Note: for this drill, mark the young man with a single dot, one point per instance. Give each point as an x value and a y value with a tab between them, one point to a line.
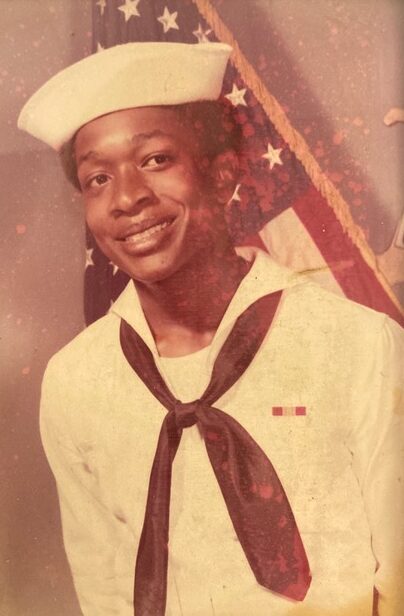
229	426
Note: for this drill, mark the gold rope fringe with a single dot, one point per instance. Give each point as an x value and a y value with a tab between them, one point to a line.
296	143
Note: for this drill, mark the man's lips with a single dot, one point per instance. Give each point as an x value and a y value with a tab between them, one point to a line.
140	232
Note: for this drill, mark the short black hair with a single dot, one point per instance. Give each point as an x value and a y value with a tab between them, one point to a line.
214	124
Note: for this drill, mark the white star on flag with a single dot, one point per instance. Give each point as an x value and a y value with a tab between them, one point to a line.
168	20
100	47
89	257
273	156
236	196
130	9
201	34
236	96
102	4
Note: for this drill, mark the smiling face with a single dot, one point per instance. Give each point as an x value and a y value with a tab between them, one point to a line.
149	197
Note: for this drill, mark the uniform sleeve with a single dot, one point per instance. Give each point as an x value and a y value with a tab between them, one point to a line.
93	537
377	447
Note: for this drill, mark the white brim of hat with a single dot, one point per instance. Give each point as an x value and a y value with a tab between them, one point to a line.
123	77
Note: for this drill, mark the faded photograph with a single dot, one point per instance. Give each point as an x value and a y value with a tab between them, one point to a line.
203	301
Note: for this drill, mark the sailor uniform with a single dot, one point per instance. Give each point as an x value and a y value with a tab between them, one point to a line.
340	461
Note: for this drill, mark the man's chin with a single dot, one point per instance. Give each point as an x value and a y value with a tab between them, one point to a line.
153	274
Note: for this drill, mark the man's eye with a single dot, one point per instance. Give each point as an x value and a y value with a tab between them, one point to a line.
157	160
98	180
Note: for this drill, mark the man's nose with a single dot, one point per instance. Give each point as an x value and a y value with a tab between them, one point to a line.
132	192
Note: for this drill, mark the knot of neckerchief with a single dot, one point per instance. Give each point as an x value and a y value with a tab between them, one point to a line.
186	413
254	496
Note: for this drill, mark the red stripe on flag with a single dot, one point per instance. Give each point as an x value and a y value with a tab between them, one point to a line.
253	240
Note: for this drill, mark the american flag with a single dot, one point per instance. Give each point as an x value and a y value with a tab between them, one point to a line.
284	202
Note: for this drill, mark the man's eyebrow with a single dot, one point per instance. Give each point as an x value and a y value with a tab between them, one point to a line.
140	137
137	139
87	156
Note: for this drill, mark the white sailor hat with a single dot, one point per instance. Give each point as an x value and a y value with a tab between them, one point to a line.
123	77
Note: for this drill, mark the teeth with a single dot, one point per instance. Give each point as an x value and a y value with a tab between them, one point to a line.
144	235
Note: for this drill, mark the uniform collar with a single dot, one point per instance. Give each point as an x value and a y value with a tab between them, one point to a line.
264	277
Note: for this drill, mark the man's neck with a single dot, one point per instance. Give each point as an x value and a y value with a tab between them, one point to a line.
185	310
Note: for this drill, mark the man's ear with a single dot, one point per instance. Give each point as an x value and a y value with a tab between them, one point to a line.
224	173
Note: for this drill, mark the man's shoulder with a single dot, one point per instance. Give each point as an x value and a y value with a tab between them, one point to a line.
322	307
87	350
308	300
338	330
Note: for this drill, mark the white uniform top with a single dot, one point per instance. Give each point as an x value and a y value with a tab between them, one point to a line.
341	463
